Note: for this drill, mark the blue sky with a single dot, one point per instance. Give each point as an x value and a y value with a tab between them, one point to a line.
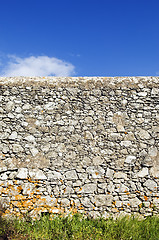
79	37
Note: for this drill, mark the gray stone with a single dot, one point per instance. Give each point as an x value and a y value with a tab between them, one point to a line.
34	151
86	202
22	173
71	175
109	173
120	175
37	174
13	136
123	188
135	202
143	134
103	200
130	159
143	172
26	106
9	106
151	185
89	188
30	138
95	172
17	148
126	143
65	202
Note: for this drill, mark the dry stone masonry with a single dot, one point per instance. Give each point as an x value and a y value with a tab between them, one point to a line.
79	145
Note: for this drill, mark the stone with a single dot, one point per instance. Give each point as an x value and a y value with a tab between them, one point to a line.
95	172
13	136
120	128
109	173
130	159
30	138
88	135
46	147
143	134
103	200
55	175
143	172
97	160
155	91
37	174
111	187
152	152
22	173
26	106
142	94
17	148
151	185
71	175
86	202
89	188
9	106
126	143
4	176
89	120
65	202
34	151
123	188
135	202
120	175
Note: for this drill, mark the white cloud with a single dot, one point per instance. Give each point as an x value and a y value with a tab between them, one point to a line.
37	66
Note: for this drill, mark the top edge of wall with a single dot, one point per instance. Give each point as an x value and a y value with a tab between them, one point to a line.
83	82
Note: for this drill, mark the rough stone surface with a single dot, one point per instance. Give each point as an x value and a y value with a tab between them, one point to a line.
79	144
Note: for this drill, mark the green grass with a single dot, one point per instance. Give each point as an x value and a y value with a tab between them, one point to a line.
78	227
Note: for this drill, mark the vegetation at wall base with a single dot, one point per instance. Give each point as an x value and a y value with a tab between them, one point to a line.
80	228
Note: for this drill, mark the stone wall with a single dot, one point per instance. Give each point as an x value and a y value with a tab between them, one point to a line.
79	145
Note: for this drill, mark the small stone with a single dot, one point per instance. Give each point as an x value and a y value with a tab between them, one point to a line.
37	174
22	173
120	175
142	94
151	185
135	202
4	176
65	202
27	106
13	136
89	188
123	188
17	148
130	159
155	91
143	172
88	135
103	200
55	175
69	175
109	173
120	128
97	160
46	147
153	152
124	102
30	138
143	134
89	120
86	202
34	151
9	106
126	143
95	172
18	110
